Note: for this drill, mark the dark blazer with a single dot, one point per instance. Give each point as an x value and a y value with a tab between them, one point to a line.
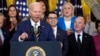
62	37
4	48
87	46
25	26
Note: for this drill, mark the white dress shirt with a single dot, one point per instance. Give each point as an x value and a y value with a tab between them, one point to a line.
33	23
55	31
67	24
76	36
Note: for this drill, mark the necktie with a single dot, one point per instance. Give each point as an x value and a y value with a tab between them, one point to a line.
35	28
0	42
78	41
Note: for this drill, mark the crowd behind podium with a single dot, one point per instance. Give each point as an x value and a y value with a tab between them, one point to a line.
77	36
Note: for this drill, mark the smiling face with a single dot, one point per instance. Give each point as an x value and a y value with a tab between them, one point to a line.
35	11
79	24
52	19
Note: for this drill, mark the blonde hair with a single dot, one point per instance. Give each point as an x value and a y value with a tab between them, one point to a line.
70	4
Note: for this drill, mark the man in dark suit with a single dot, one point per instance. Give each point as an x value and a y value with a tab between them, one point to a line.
80	43
3	34
59	34
34	29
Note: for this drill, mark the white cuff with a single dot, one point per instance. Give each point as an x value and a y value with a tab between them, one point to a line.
19	39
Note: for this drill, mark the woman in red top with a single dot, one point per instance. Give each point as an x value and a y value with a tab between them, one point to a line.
97	38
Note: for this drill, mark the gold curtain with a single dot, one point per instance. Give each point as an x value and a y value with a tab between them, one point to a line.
30	1
52	5
86	9
9	2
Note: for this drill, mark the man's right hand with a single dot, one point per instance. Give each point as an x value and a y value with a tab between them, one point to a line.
23	36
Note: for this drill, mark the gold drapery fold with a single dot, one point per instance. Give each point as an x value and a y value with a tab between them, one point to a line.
30	1
85	8
9	2
52	5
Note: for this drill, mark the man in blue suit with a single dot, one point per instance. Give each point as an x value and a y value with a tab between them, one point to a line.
34	29
60	35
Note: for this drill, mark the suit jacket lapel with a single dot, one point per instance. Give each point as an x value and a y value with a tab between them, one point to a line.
28	26
42	25
84	39
74	39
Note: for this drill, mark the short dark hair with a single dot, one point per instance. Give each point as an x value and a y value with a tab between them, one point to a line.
96	24
51	13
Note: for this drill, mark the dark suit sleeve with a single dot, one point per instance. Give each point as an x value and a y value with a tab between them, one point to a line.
51	35
17	33
65	44
92	47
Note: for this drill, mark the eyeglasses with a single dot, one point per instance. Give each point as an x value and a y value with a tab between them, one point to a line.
52	17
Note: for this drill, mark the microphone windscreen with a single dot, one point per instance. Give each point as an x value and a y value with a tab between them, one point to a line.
32	30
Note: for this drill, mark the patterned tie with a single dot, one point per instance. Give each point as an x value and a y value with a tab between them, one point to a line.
78	41
35	28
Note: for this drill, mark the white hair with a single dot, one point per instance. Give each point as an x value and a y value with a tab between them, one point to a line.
81	17
34	4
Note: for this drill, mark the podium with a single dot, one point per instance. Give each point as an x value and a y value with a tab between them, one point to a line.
41	48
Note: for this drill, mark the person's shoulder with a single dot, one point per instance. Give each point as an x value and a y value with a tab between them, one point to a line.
24	22
71	35
60	18
5	31
44	23
73	18
87	35
61	30
97	35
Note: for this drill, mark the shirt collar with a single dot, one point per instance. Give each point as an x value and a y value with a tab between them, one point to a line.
78	33
54	28
33	23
